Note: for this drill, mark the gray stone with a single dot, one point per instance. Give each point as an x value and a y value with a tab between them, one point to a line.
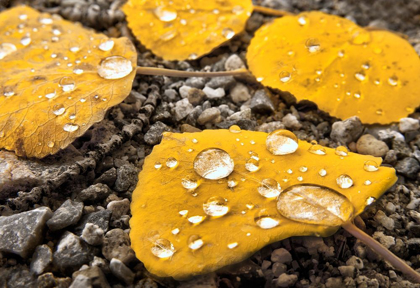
234	62
281	255
244	114
108	177
291	122
385	221
71	253
209	116
81	281
408	124
117	245
286	280
41	258
385	240
100	219
127	176
239	93
154	134
121	271
369	145
271	126
118	208
184	90
196	96
261	103
92	234
278	269
214	93
356	262
182	109
408	167
221	82
388	135
225	110
196	82
265	264
149	283
347	271
21	233
170	94
92	275
347	131
95	192
17	276
67	214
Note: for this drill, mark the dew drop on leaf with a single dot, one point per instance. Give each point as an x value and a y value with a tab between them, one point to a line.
25	40
322	172
360	76
196	219
370	166
58	109
281	142
344	181
266	219
106	45
189	183
6	49
171	162
67	84
317	149
367	182
69	127
269	188
175	231
163	248
213	164
158	165
341	151
232	245
235	129
393	81
252	165
165	14
370	200
232	182
313	45
114	67
228	33
215	206
195	242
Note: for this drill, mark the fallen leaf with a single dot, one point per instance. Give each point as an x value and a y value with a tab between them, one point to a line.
217	196
345	69
178	30
58	79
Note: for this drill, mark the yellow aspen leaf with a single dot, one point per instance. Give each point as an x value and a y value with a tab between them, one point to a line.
57	79
210	199
178	30
345	69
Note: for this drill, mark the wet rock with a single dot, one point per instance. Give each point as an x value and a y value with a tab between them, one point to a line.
41	259
214	93
234	62
281	255
118	208
93	276
121	271
286	280
107	178
100	219
355	262
95	193
154	134
385	240
408	167
209	116
270	127
240	93
385	221
196	96
261	103
408	124
126	178
92	234
71	253
117	245
67	214
291	122
182	109
347	131
21	233
369	145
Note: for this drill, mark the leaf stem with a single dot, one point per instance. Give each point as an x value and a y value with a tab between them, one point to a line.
381	250
177	73
271	12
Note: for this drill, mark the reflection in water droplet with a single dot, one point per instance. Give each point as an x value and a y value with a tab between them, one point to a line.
237	10
317	149
215	206
189	183
341	151
281	142
165	14
379	112
367	182
45	20
106	45
322	172
168	35
253	155
361	37
285	76
195	242
228	33
289	171
232	245
78	71
192	56
344	181
366	65
269	188
213	164
26	40
6	49
171	162
183	212
175	231
252	165
341	53
195	141
74	49
196	219
370	200
69	127
232	182
371	166
163	248
313	45
266	219
50	144
8	91
67	84
302	20
23	17
393	81
303	169
360	76
114	67
235	129
158	165
58	109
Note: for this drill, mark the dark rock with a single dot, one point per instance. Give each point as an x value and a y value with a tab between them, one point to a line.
67	214
94	193
121	271
221	82
210	115
154	134
261	103
408	167
413	246
100	219
21	233
48	280
117	245
41	258
108	177
281	255
92	275
126	178
347	131
16	277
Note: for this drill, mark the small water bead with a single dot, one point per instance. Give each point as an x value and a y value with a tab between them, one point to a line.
158	165
366	65
235	129
45	20
213	164
322	172
58	109
2	134
341	53
260	79
195	141
379	112
266	219
114	67
23	17
8	91
289	171
175	231
6	49
253	155
367	182
165	14
70	127
360	76
215	206
216	11
341	151
232	182
183	212
252	165
82	100
317	149
357	95
285	76
196	219
370	200
377	82
228	33
195	242
393	81
74	49
237	10
168	35
78	71
171	162
281	142
344	181
25	40
269	188
300	178
189	183
303	169
163	248
106	45
313	45
232	245
67	84
371	166
192	56
183	22
302	20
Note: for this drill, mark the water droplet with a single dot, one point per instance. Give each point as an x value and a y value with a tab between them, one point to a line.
322	172
303	169
313	45
196	219
58	109
235	129
228	33
260	79
317	149
192	56
393	81
114	67
183	212
168	35
377	82
158	165
253	155
26	40
361	37
106	45
195	242
78	71
232	182
237	10
50	144
215	206
171	162
232	245
370	200
69	127
302	20
300	178
8	91
285	76
341	53
252	165
189	183
370	166
163	248
45	20
165	14
341	151
6	49
195	141
289	171
366	65
74	49
175	231
82	100
344	181
23	17
281	142
357	95
67	84
379	112
216	11
269	188
213	164
265	219
183	22
360	76
1	134
367	182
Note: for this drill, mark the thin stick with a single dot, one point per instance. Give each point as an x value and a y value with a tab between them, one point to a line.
381	250
177	73
271	12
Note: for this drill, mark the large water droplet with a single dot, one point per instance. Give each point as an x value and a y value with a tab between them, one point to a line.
252	165
158	165
171	162
361	37
165	14
344	181
228	33
106	45
281	142
215	206
6	49
313	45
114	67
25	40
195	242
163	248
213	164
235	129
67	84
266	219
317	149
269	188
70	127
189	183
341	151
58	109
371	166
285	76
303	169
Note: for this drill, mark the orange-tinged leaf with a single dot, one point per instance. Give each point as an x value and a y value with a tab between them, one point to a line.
345	69
57	79
178	30
193	212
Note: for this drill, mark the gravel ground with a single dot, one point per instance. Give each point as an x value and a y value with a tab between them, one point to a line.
71	210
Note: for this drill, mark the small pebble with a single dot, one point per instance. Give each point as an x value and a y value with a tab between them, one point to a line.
387	222
234	62
182	109
347	131
408	124
214	93
408	167
184	90
347	271
385	240
281	255
121	271
369	145
209	116
261	103
290	121
355	262
286	280
239	93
